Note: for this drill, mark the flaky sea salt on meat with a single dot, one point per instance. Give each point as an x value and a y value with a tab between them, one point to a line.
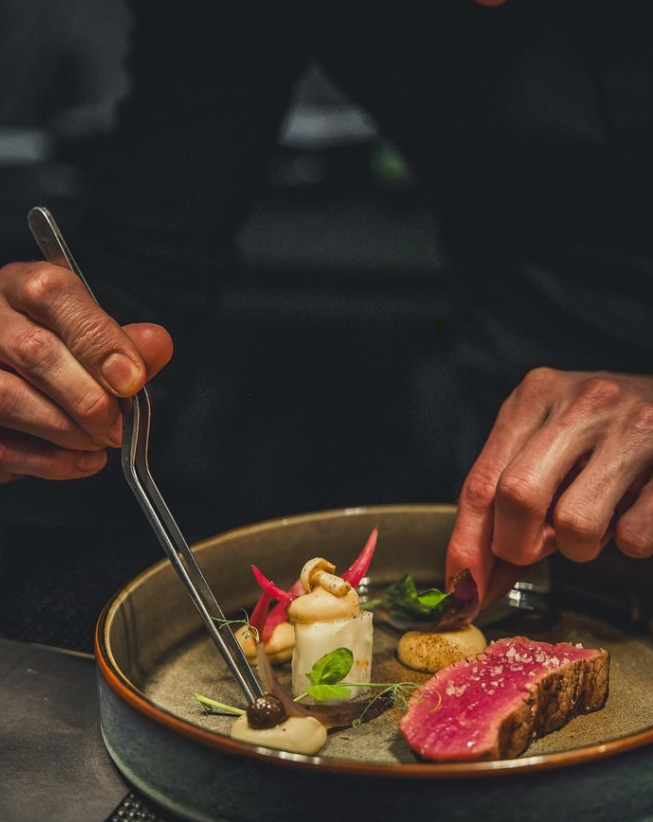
516	690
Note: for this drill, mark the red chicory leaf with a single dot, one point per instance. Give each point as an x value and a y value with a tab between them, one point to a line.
359	567
268	585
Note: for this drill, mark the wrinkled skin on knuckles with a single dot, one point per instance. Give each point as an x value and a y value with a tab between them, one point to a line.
63	363
567	466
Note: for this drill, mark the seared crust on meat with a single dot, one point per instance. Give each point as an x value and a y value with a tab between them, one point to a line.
494	704
579	688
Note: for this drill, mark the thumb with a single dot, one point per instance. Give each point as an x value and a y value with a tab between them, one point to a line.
154	344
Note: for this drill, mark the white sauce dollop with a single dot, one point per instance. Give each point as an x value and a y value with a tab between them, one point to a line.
297	734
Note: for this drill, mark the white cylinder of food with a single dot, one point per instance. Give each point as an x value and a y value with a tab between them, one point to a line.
315	639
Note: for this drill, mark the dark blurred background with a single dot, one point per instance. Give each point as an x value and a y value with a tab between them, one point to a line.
327	382
333	363
335	310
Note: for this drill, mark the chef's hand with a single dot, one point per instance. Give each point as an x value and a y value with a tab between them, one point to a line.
567	465
63	362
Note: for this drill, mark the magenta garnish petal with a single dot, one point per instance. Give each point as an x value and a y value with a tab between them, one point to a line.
296	589
268	585
260	613
276	616
464	605
357	570
279	613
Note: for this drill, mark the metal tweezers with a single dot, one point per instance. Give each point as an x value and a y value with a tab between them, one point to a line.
136	432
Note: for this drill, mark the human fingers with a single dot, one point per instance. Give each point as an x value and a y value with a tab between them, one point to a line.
153	343
579	466
528	486
547	473
583	515
7	477
521	415
25	409
55	336
21	454
634	529
56	299
40	357
506	574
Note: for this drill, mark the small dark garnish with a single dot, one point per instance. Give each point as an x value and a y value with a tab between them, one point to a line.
404	607
265	712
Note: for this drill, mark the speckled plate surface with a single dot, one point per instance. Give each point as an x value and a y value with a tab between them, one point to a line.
152	656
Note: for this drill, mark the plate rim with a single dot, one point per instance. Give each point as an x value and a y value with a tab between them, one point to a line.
129	693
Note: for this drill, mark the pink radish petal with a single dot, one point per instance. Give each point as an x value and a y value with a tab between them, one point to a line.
260	613
268	585
279	613
355	573
276	616
296	590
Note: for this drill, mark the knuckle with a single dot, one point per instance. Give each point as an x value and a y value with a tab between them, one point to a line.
94	333
518	492
507	409
33	348
10	271
577	524
531	391
633	542
480	489
536	378
640	418
599	392
43	285
92	405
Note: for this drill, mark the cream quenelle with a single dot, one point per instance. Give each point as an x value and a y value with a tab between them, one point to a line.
297	734
326	617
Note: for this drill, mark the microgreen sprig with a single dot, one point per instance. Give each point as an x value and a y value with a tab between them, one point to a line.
212	707
399	692
327	678
244	621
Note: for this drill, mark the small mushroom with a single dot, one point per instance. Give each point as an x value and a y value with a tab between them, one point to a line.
319	571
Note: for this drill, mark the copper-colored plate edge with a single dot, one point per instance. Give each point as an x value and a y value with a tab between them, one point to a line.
426	770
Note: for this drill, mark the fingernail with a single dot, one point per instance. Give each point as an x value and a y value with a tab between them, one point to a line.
121	373
90	460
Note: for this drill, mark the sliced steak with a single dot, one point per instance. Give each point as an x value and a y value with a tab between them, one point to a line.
491	706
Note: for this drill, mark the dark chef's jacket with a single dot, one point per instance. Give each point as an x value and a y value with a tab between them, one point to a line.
531	128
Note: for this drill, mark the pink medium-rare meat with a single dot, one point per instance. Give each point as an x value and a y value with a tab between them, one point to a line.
491	706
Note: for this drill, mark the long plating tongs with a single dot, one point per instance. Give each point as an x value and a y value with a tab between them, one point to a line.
136	431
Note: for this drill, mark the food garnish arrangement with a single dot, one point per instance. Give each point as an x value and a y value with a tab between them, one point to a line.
482	702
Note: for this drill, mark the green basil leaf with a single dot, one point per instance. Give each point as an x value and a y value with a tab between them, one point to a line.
405	601
327	691
331	667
